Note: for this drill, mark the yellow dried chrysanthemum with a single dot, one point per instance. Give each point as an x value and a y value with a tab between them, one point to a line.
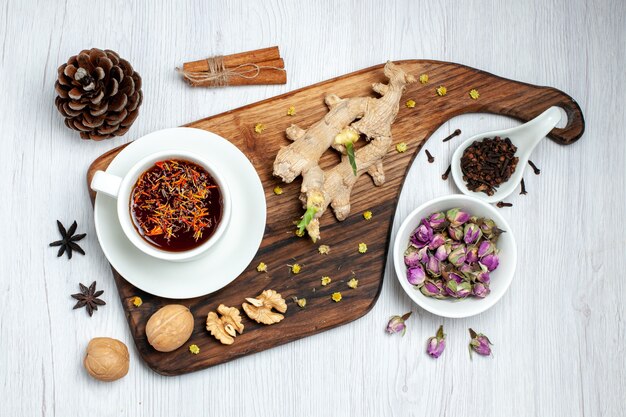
259	128
194	349
295	268
326	281
291	111
261	267
299	233
353	283
401	147
424	78
367	215
362	247
474	94
301	302
278	190
410	103
441	91
324	249
336	297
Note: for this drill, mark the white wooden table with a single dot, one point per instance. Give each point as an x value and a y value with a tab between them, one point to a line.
559	332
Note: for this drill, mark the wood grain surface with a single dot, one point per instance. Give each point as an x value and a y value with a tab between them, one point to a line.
280	247
559	331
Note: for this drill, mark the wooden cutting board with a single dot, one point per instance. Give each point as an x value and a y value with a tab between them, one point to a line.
280	247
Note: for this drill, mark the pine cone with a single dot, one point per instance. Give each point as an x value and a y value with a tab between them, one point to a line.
99	94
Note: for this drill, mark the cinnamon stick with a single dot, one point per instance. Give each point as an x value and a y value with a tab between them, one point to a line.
257	56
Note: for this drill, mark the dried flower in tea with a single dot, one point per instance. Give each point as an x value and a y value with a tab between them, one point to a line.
176	205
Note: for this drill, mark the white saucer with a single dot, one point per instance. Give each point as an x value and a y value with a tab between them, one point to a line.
227	259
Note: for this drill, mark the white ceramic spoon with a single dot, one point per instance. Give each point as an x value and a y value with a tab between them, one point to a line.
525	137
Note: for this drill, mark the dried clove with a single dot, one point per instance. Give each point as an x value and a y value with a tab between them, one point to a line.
488	163
431	158
447	173
536	170
503	204
523	185
452	135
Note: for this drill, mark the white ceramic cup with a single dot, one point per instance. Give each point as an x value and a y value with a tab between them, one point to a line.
121	188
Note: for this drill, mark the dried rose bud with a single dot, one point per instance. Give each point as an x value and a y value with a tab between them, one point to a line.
457	256
457	290
490	261
479	344
416	275
456	217
485	248
433	267
422	235
490	229
436	241
397	324
480	290
471	233
431	289
435	345
411	258
437	220
471	254
423	255
456	233
455	277
483	277
442	252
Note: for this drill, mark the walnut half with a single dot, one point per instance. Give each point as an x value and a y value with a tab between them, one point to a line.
259	309
224	328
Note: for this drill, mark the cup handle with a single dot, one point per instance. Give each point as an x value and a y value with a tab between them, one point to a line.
106	183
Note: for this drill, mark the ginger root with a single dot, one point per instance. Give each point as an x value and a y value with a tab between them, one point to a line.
346	120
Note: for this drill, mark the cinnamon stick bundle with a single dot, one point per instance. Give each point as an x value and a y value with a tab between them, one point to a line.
261	66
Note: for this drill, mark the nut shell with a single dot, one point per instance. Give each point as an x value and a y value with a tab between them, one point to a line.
106	359
169	328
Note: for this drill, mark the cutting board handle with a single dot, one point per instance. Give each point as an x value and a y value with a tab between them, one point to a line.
532	102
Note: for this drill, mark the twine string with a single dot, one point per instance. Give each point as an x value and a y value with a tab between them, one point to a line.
218	75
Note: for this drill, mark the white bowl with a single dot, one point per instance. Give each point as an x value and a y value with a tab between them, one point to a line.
501	277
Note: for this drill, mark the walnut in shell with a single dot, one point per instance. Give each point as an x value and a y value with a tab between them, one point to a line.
170	327
224	328
260	308
106	359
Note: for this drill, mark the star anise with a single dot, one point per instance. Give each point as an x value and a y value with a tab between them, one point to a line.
68	241
88	297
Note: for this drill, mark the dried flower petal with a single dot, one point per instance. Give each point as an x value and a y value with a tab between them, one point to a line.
137	301
367	215
401	147
291	111
474	94
410	103
423	78
325	280
259	128
301	302
353	283
441	91
362	247
278	190
261	267
324	249
336	297
194	349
